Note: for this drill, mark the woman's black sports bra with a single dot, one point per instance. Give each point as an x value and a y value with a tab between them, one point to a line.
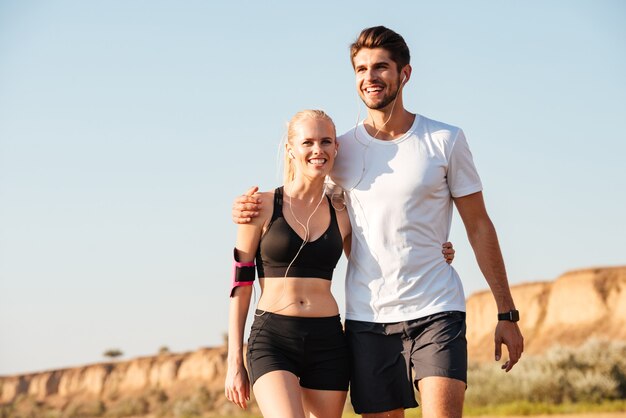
280	244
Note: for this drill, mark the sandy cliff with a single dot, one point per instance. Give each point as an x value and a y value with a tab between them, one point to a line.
575	307
578	305
163	376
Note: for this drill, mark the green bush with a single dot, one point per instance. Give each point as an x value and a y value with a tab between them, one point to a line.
592	373
201	402
129	407
91	409
6	411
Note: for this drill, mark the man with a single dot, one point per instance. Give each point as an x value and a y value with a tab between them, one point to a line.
405	307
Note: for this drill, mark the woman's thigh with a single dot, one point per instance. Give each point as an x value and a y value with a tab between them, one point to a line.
323	403
278	394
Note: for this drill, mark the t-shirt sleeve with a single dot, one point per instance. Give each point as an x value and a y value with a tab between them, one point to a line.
462	176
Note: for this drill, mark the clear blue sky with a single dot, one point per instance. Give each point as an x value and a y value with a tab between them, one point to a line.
127	128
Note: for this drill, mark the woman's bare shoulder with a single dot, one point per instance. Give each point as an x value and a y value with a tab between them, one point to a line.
266	207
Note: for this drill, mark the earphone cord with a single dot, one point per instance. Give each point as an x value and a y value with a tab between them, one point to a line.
304	241
354	198
393	105
367	144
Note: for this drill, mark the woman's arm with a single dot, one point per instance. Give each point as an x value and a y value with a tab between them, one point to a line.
237	385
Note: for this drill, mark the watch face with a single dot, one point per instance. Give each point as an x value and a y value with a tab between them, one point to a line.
514	316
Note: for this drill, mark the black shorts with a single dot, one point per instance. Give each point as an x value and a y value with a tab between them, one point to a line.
314	349
384	357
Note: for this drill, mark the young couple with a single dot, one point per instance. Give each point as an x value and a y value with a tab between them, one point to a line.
405	308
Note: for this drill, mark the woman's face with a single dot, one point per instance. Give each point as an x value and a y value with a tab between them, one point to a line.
313	148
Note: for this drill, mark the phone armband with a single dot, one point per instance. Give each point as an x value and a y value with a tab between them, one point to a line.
243	273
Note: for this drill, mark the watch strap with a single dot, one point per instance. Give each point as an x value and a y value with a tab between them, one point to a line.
512	315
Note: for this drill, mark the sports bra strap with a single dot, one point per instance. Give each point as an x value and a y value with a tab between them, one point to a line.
278	203
333	215
278	206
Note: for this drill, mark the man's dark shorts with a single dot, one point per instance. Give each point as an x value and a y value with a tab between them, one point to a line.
384	357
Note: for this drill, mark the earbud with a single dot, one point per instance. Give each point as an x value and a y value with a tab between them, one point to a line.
335	153
293	157
403	79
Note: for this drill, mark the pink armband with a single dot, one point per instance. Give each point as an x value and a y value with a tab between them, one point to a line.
243	274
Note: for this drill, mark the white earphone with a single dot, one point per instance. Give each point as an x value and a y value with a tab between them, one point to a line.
335	153
403	79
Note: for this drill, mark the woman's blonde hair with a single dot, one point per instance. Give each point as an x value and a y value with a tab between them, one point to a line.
290	172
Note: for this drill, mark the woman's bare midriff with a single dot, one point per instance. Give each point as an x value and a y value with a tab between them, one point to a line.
297	296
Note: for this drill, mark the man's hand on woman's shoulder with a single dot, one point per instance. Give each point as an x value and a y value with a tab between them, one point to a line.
246	206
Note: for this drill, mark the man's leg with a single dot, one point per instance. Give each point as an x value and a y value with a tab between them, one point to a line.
439	359
381	373
441	397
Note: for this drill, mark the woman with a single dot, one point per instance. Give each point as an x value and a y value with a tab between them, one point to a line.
297	353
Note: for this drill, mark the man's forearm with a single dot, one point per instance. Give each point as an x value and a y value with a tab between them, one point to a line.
484	241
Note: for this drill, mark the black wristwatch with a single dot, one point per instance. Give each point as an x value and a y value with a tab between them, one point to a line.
512	315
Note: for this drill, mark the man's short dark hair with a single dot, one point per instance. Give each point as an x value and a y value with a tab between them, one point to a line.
385	38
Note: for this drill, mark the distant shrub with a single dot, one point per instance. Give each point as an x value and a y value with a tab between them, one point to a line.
592	373
129	407
202	401
158	396
7	411
186	408
80	410
113	353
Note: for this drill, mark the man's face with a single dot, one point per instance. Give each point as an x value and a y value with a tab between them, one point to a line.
377	77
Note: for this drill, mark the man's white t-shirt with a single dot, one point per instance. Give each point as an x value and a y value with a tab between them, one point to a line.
399	198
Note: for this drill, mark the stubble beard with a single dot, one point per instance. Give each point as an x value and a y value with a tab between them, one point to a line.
386	101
